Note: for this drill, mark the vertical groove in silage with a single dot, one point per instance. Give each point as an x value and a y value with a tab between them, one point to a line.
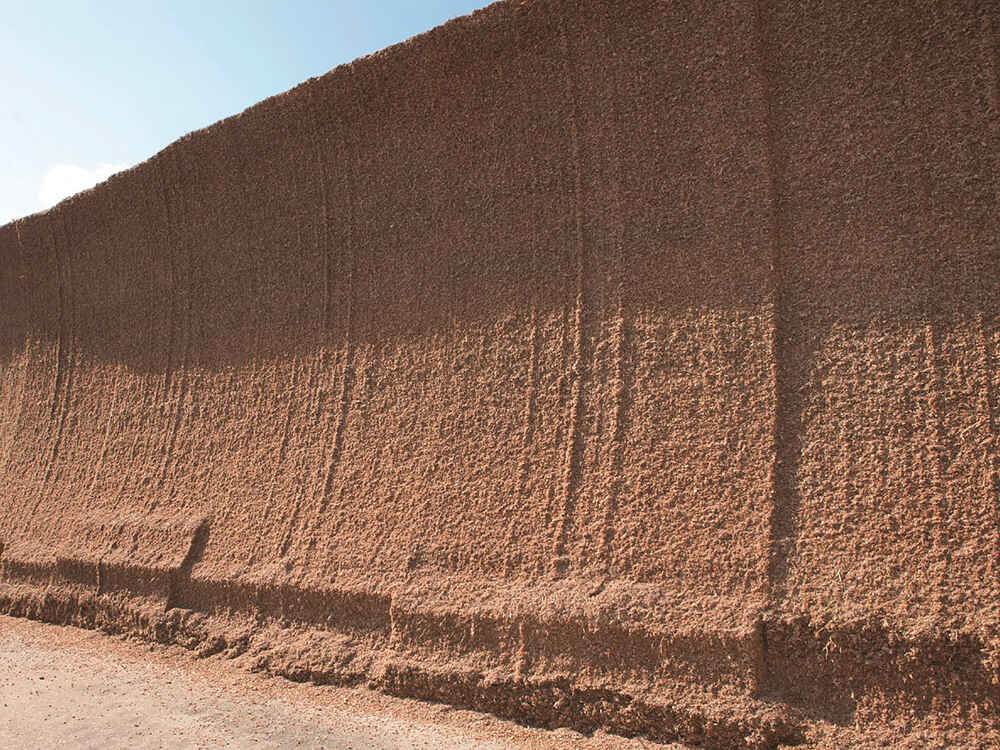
574	417
348	151
62	461
19	350
294	366
300	360
317	160
266	195
62	340
85	421
140	267
622	385
170	250
152	417
622	379
183	283
64	365
312	468
530	399
164	402
241	268
319	164
108	197
530	466
787	413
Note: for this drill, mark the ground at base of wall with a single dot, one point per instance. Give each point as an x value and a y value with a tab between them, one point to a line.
63	684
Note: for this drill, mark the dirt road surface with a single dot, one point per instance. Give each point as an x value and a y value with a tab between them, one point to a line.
65	687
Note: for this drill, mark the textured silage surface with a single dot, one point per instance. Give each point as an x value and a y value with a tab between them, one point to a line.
611	365
884	124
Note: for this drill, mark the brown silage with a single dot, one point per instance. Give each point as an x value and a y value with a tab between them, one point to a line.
597	364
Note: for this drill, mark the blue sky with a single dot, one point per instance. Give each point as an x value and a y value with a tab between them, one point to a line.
93	86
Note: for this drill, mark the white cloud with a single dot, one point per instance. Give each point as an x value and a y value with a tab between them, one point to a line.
64	180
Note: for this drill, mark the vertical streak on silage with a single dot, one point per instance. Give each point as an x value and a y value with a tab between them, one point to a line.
531	394
64	361
349	151
180	286
255	276
622	389
188	328
620	335
140	426
250	379
787	425
168	224
12	435
572	457
530	400
157	427
286	429
318	367
322	366
319	160
327	324
292	383
299	360
61	343
531	391
110	410
171	241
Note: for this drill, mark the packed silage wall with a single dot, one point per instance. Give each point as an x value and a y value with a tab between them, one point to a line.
622	365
